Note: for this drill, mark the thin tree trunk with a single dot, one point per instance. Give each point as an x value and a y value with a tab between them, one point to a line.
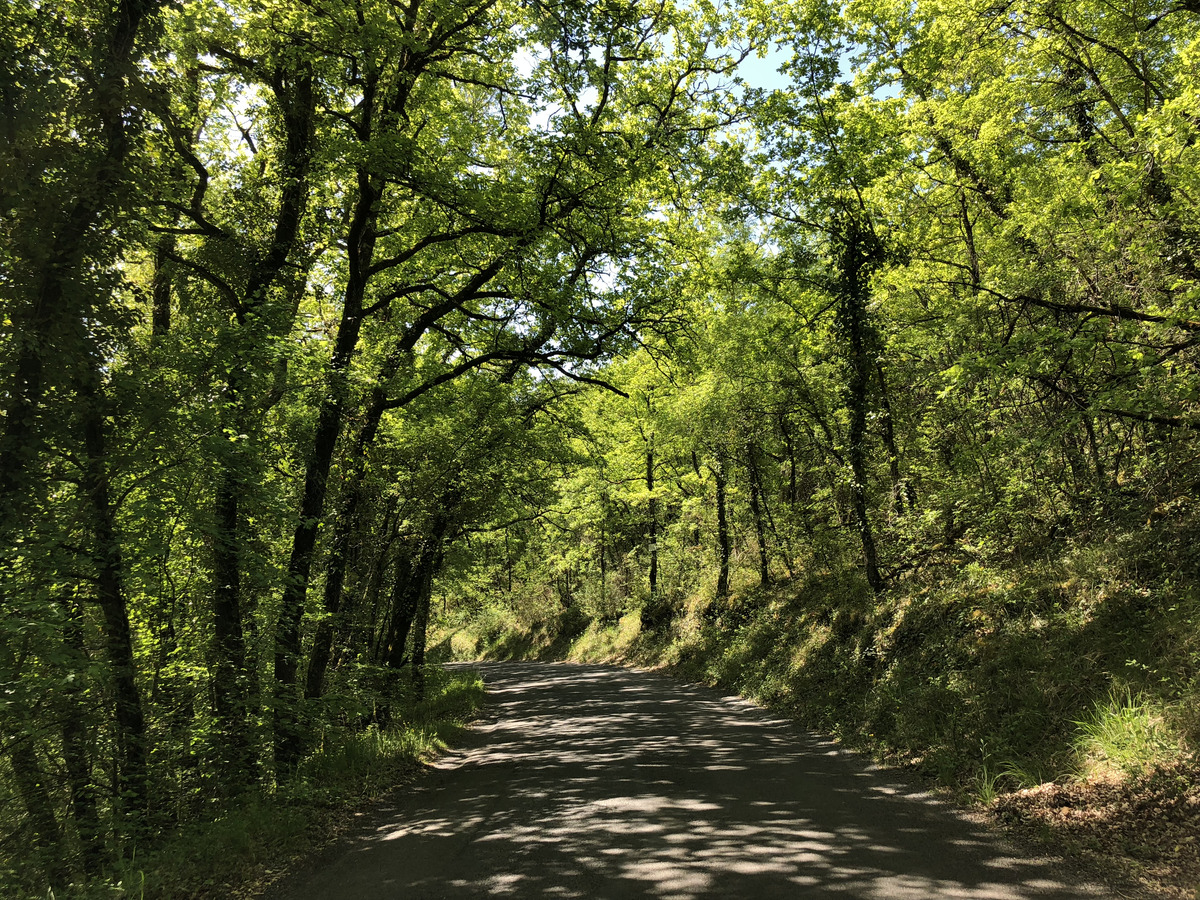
780	540
131	791
756	509
76	758
375	581
901	489
723	547
858	495
421	627
160	287
335	576
653	518
230	677
404	607
790	447
419	595
421	623
162	282
603	565
1094	450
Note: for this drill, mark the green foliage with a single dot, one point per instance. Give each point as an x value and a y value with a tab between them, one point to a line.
248	842
289	304
1125	733
529	325
1007	678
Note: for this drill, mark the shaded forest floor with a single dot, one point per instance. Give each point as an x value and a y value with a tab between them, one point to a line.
1058	694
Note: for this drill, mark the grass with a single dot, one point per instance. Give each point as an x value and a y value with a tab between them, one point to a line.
612	643
1057	688
988	785
256	839
1064	669
1125	735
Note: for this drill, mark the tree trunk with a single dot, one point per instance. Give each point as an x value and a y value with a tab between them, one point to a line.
131	725
76	758
603	566
790	447
51	255
424	600
420	631
411	593
30	782
160	287
379	567
47	835
405	596
162	282
653	518
288	740
230	677
859	253
508	561
339	549
901	490
723	547
1094	451
756	508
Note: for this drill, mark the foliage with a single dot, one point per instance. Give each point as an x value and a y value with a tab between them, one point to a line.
1125	733
249	842
325	327
1053	691
287	291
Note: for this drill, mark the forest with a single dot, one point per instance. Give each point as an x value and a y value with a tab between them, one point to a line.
343	336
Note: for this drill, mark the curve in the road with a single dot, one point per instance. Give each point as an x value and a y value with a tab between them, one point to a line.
593	781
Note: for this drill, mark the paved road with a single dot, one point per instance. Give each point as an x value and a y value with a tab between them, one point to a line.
597	782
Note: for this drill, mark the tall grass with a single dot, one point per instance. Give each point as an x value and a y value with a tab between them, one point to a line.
1126	734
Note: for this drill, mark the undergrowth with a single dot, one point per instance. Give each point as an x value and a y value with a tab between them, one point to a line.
988	676
256	838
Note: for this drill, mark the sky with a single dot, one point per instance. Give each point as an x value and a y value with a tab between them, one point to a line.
764	73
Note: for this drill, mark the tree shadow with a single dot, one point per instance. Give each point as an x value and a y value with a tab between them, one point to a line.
589	781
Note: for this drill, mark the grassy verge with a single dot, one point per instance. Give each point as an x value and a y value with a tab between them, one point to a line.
1066	682
255	840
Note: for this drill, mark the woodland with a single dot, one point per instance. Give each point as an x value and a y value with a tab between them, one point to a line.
340	333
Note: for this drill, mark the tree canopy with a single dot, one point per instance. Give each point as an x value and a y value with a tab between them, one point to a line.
316	310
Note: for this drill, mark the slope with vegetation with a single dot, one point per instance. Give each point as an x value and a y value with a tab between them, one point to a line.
1044	692
331	324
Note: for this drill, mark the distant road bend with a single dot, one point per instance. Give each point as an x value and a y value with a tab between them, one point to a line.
599	782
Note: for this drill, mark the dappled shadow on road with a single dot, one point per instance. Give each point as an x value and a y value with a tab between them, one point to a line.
587	781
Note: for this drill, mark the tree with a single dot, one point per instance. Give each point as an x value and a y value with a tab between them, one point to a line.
67	183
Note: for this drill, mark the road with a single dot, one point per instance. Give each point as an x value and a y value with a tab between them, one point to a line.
599	782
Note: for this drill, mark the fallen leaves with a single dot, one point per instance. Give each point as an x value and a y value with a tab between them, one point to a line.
1144	826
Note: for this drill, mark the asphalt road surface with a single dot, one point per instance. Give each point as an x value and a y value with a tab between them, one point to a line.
599	782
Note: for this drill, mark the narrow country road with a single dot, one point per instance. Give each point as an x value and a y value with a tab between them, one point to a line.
590	781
